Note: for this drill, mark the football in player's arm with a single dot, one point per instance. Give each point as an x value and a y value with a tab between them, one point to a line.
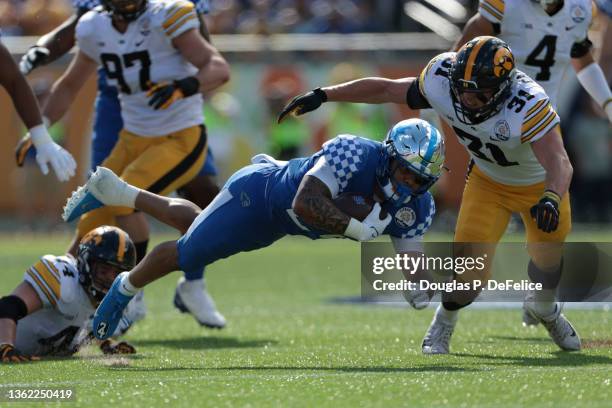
48	152
491	20
47	313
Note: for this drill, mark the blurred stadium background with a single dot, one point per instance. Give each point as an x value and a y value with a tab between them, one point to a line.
277	49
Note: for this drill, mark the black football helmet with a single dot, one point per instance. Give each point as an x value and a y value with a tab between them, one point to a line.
101	248
128	10
484	66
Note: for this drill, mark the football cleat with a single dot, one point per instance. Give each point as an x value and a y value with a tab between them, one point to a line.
103	188
110	311
192	297
528	319
559	328
437	338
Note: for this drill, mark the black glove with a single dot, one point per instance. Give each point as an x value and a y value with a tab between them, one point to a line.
165	94
304	103
22	149
34	57
9	354
122	347
546	211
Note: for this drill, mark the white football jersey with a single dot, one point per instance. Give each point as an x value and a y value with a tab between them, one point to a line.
144	54
65	308
541	44
500	146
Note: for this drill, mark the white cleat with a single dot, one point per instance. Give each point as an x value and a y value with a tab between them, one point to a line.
528	319
559	328
103	188
192	297
437	338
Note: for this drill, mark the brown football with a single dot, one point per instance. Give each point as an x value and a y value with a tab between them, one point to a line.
355	205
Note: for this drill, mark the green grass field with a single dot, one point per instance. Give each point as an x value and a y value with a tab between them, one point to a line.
287	345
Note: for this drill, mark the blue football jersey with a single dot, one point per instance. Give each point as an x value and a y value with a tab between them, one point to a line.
353	161
202	6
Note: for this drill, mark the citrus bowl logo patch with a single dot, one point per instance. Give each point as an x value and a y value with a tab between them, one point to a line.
501	131
405	217
503	62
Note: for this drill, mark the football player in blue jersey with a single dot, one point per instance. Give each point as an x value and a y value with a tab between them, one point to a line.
267	200
191	295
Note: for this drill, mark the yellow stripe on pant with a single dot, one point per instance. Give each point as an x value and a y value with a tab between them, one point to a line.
157	164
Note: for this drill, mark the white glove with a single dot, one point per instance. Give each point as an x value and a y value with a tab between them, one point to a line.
49	152
369	228
33	58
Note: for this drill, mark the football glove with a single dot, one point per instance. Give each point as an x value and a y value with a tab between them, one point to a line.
546	211
164	94
123	347
34	57
9	354
371	227
49	152
304	103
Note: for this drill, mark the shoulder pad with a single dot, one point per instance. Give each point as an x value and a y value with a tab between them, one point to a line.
53	278
176	16
538	114
345	154
492	10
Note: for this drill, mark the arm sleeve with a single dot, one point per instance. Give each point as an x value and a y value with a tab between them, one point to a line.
492	10
44	277
540	117
581	48
180	17
344	154
415	98
323	171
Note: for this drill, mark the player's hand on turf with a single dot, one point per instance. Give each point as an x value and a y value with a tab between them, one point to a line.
9	354
164	94
546	211
50	153
34	57
22	149
371	227
123	347
304	103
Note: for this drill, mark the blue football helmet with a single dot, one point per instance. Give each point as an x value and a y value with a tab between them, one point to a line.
416	146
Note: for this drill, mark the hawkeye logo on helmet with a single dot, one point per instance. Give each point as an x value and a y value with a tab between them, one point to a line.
502	62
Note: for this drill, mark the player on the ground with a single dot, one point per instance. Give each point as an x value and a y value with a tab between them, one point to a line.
47	313
545	37
263	202
191	294
509	127
48	152
153	53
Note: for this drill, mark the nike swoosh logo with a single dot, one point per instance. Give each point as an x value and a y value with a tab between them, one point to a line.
139	43
569	28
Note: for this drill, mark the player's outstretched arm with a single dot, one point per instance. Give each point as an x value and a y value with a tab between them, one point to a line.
550	152
51	46
365	90
22	302
592	78
65	89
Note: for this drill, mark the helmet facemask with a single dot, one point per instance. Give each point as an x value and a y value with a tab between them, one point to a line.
126	10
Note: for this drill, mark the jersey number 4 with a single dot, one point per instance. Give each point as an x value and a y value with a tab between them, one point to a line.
547	46
114	66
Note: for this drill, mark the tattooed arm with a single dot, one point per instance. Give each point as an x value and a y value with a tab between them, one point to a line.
313	204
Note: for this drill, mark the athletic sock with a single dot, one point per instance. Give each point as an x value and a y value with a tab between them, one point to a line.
446	316
126	288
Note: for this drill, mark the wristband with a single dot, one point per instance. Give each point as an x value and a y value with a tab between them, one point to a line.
320	93
552	196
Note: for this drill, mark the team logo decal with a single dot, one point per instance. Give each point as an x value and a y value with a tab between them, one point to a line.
405	217
503	62
501	131
578	14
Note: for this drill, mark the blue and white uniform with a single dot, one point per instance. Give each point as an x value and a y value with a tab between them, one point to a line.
254	208
108	121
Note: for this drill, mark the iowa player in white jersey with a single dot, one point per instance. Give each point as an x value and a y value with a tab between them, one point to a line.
509	127
47	313
545	37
